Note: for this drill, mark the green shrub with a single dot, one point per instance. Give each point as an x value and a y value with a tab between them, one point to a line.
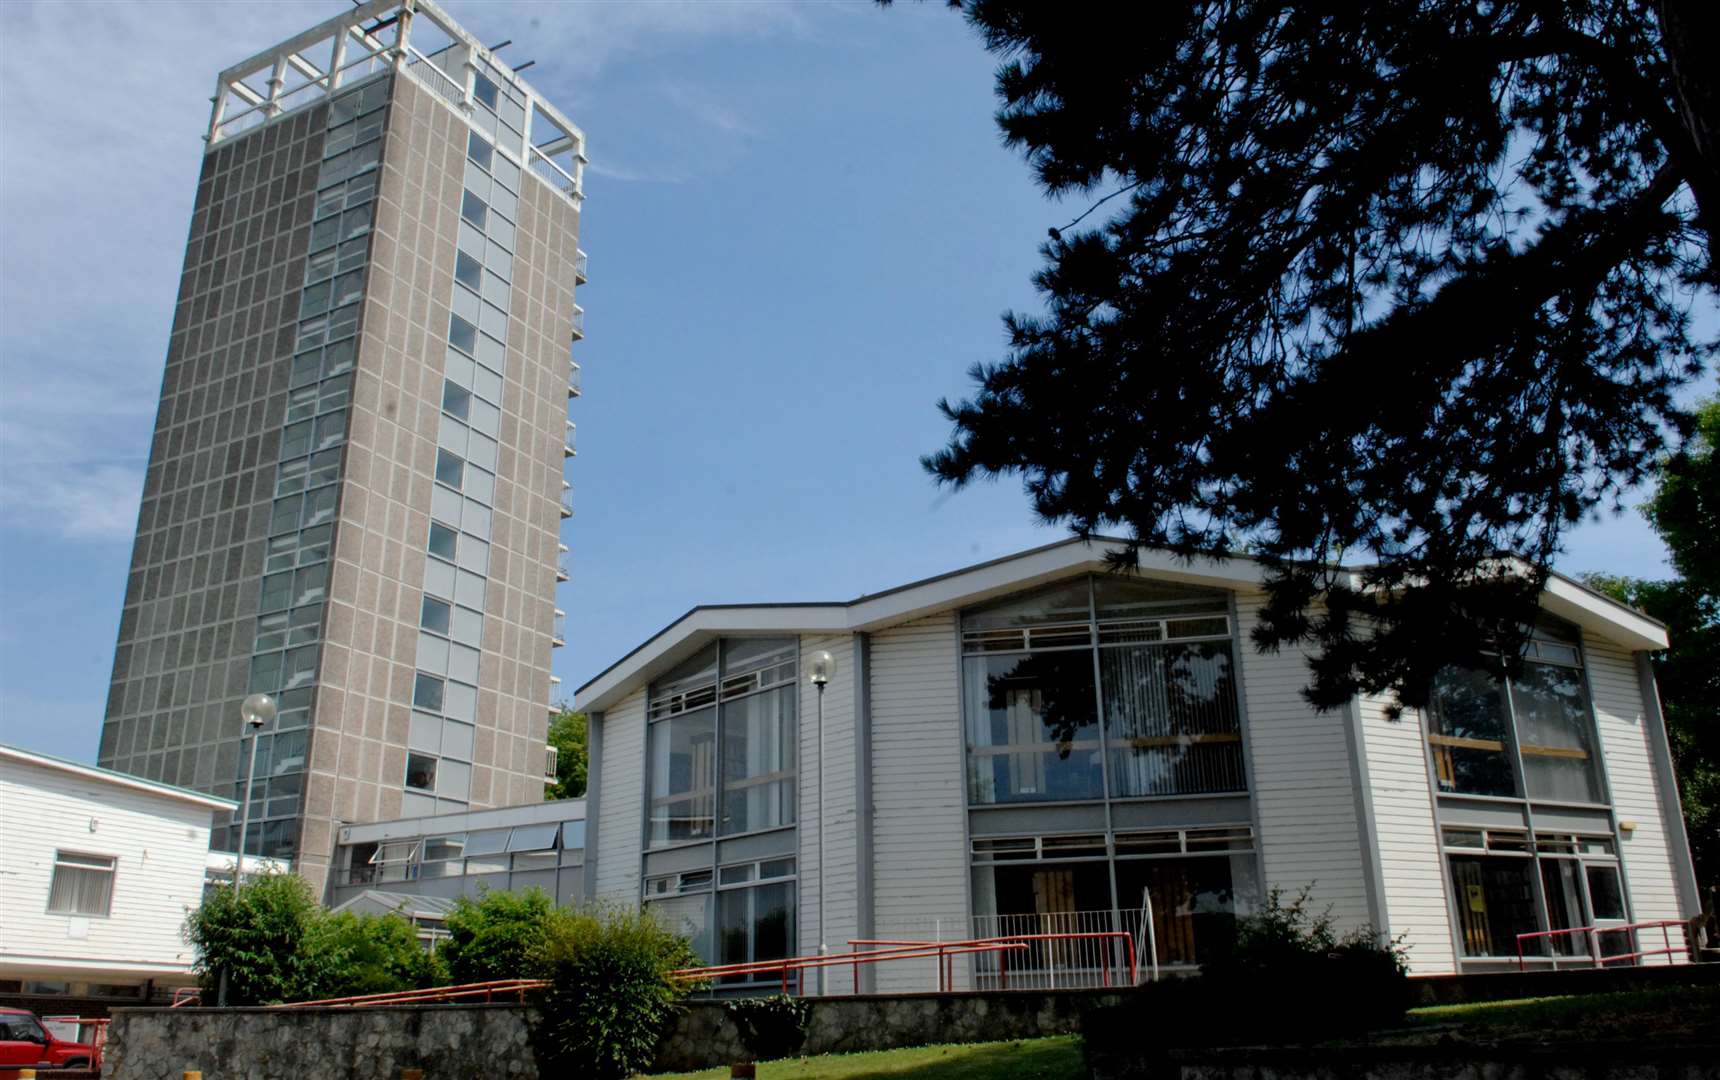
500	935
347	955
610	996
257	937
1286	977
771	1027
277	945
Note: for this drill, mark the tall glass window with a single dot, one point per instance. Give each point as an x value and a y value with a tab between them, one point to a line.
1507	883
683	777
1191	884
1476	721
1137	676
755	915
722	743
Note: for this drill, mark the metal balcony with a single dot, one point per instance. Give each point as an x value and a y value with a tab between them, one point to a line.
581	263
573	389
558	636
568	448
578	323
562	573
566	501
549	763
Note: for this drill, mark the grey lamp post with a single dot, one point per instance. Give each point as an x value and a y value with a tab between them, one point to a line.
257	710
820	666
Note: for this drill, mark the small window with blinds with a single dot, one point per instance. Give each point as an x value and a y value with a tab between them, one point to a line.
82	884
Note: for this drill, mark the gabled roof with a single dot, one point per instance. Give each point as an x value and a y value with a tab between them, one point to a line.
970	585
117	779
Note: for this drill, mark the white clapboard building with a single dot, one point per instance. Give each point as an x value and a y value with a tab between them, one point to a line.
98	870
1040	746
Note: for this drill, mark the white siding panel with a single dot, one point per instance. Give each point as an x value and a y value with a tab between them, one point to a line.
920	828
161	846
1304	793
1635	792
621	803
839	851
1408	838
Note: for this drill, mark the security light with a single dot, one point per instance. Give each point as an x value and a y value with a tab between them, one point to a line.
258	709
820	666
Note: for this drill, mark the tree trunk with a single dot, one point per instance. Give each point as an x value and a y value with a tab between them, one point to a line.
1690	30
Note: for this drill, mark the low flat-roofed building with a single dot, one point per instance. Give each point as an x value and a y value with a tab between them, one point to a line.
509	848
98	870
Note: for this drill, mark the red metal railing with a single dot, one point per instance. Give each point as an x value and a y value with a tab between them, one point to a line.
488	991
947	950
186	995
1599	958
799	965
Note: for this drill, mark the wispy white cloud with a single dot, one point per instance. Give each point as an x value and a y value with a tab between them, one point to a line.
97	502
96	191
702	105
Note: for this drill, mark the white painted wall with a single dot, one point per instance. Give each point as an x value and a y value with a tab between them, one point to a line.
920	826
1629	762
1408	838
161	844
839	876
621	802
1303	788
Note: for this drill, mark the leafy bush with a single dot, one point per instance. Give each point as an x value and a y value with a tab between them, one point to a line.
610	996
276	944
348	955
257	936
501	935
1286	977
771	1027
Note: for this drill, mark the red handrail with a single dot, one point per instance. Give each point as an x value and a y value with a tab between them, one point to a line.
800	964
967	945
429	995
1595	954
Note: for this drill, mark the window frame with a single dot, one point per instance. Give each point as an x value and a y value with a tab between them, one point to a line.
1550	650
1150	623
691	695
111	870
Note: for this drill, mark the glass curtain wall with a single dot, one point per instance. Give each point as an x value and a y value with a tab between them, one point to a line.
1101	688
729	727
722	757
1503	877
1188	884
1480	726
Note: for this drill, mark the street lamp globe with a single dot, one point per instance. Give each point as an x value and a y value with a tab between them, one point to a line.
820	666
258	709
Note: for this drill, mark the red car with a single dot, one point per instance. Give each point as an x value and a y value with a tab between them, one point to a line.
25	1043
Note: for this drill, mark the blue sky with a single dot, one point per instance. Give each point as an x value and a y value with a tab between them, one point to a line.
802	229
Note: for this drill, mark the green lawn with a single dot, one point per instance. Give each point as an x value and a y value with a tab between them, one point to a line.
1675	1012
1035	1059
1681	1013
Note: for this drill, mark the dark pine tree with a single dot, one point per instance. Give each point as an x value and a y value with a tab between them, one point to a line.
1404	286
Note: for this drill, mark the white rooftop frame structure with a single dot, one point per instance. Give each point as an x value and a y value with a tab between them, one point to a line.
373	37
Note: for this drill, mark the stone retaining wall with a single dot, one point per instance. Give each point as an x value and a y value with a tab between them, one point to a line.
446	1041
841	1025
494	1041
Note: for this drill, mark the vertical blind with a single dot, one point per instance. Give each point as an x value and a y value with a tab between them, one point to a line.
82	884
